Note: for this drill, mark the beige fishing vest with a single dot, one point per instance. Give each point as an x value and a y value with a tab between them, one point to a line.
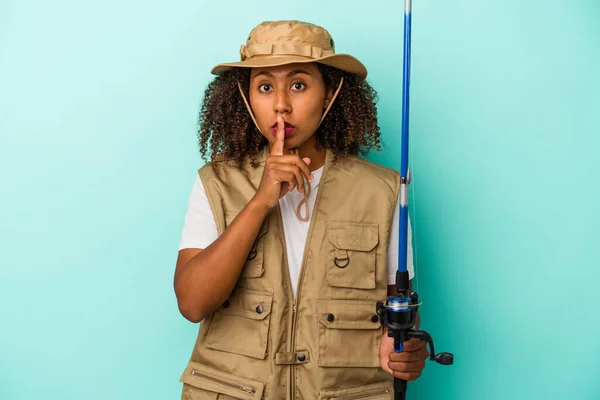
263	344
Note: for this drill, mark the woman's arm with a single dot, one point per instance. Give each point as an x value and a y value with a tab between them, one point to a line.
204	278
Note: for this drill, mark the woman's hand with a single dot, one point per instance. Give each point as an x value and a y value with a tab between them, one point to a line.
407	365
283	172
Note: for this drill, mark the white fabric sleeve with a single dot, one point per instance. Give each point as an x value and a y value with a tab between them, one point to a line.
199	230
393	248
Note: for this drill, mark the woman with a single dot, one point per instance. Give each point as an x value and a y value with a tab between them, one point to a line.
290	237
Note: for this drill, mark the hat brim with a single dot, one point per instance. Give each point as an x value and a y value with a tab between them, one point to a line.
345	62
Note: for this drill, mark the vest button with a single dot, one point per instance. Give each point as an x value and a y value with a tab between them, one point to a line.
301	357
374	318
260	309
226	304
330	317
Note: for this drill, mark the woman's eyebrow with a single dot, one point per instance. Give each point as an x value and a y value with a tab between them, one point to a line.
290	74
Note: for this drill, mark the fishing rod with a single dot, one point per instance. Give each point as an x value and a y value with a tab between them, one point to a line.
399	312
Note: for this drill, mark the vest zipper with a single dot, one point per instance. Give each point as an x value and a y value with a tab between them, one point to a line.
237	386
311	228
292	367
361	395
291	295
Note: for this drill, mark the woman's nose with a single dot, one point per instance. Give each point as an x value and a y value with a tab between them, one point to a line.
282	102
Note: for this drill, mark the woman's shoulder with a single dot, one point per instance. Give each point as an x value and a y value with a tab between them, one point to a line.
218	159
357	162
252	160
369	176
220	162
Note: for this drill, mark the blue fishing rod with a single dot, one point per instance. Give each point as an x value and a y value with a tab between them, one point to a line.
399	312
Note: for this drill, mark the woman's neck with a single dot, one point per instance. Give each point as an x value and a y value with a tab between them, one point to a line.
309	149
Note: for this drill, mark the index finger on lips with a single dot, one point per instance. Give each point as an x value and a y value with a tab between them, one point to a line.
277	149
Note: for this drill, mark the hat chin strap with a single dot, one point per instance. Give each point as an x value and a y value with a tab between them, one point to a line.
304	201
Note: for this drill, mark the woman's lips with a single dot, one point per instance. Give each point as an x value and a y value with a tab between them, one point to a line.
289	128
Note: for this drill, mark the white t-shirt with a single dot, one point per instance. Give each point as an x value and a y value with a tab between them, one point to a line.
200	229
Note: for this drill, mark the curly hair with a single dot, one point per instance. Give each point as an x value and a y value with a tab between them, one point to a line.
227	130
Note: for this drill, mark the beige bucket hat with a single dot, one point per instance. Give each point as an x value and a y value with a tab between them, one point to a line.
275	43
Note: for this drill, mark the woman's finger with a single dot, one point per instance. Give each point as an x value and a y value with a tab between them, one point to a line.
414	345
291	169
285	176
407	376
407	356
301	163
277	149
407	366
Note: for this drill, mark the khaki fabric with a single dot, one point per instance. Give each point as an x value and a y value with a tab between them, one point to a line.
263	344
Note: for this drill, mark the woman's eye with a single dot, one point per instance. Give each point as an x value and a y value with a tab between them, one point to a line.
298	86
264	87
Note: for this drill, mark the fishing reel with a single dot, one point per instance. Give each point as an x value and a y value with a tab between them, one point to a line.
398	314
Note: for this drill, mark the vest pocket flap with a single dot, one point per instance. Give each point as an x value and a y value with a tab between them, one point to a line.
212	380
241	324
247	303
353	236
348	314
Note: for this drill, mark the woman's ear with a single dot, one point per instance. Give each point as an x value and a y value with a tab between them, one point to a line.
328	99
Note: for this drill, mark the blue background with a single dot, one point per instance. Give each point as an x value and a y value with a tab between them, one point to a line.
98	153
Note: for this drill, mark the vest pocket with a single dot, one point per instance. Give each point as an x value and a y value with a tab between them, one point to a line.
352	254
377	391
349	333
241	324
254	266
204	383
